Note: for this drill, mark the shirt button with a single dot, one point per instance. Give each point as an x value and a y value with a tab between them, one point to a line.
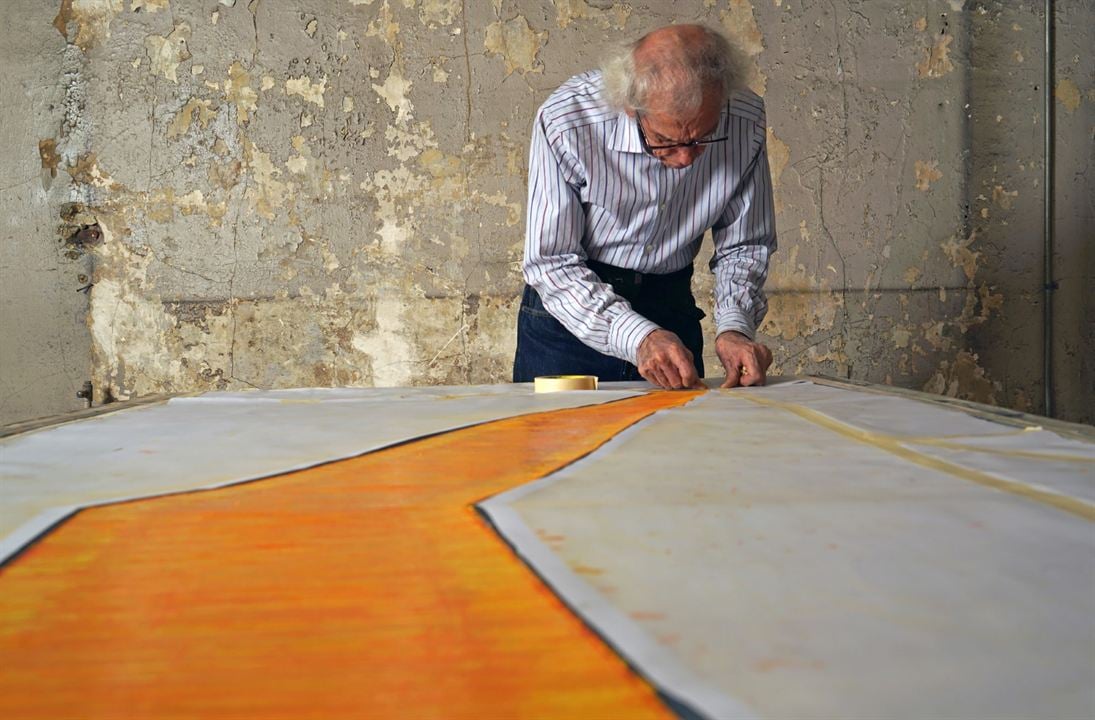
648	248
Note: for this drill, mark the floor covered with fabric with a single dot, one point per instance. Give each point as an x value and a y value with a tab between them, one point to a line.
807	549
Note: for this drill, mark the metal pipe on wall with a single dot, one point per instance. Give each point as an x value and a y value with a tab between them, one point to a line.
1048	283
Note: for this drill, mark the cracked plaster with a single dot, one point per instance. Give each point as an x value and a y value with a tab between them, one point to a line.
323	193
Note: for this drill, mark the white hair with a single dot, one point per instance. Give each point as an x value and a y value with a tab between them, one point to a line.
677	76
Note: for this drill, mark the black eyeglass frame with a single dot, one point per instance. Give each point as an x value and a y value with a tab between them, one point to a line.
648	148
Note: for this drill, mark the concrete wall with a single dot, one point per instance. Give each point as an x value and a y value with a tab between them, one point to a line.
45	347
1006	201
315	192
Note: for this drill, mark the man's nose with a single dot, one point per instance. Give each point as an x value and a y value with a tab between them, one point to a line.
688	155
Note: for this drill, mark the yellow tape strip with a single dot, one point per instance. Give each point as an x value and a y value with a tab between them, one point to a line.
953	442
1069	504
1060	457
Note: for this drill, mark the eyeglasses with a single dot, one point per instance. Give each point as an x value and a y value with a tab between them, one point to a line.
673	146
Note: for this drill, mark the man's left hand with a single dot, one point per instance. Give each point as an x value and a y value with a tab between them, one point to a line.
745	361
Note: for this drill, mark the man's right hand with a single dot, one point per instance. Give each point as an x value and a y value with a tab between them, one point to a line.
666	362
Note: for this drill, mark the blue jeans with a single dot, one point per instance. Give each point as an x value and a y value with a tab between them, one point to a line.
545	347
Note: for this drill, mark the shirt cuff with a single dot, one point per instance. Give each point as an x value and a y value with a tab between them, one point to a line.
628	332
734	319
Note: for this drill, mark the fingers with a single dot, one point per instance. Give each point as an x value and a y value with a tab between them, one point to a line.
746	363
685	369
655	375
666	362
758	371
733	374
752	372
675	372
671	373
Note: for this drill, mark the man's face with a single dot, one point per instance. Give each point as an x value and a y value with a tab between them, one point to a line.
666	129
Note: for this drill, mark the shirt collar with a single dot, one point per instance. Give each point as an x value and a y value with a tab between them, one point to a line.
625	136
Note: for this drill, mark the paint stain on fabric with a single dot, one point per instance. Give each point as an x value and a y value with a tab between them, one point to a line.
275	598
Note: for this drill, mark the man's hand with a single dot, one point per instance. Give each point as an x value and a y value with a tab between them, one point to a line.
745	361
666	362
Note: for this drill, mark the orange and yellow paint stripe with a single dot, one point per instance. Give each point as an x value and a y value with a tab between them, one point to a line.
367	587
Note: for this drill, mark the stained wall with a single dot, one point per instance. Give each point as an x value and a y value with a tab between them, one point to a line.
312	192
45	346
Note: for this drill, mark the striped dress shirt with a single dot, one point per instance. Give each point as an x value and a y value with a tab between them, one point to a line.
595	194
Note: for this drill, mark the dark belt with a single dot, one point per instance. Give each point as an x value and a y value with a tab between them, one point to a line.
630	284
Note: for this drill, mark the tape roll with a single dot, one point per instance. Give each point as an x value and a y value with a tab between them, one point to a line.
555	383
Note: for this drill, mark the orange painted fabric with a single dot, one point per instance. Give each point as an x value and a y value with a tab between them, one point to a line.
363	588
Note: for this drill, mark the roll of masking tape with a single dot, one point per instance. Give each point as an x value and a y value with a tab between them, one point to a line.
555	383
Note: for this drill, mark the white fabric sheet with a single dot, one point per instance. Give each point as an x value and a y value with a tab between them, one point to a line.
221	438
792	571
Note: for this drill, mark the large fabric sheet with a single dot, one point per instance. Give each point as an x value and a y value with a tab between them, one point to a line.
809	551
220	438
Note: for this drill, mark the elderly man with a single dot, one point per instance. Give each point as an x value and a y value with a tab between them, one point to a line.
629	167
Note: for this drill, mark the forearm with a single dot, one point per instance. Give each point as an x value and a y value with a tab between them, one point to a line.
744	241
586	307
740	302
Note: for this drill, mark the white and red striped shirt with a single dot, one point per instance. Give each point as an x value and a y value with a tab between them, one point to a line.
595	194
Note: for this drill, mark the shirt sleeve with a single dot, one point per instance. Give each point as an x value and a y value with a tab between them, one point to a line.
555	262
745	237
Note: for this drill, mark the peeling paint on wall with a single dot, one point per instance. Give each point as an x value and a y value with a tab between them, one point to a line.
570	11
149	6
306	88
238	91
1068	94
516	43
926	174
91	17
1003	197
47	153
166	53
801	304
740	23
204	111
937	61
394	92
267	193
439	12
778	157
963	378
958	252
